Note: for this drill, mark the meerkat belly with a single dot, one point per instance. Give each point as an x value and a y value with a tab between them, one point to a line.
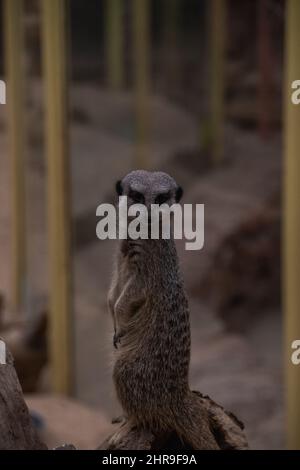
148	381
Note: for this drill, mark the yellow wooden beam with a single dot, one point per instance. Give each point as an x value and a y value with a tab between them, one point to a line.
59	214
114	43
217	34
291	245
172	10
14	42
265	93
141	36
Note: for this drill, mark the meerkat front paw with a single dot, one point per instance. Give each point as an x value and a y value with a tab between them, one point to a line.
119	419
117	339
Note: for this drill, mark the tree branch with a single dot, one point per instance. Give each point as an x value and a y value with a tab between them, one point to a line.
16	429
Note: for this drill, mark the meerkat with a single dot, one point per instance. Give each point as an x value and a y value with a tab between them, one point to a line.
149	306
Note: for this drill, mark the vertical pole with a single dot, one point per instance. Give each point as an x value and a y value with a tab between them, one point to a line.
266	70
59	217
205	132
141	26
218	22
14	42
291	247
114	43
171	21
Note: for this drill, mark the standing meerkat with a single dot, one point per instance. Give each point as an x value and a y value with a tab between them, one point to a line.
150	312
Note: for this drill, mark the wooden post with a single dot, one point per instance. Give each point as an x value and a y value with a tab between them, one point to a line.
291	211
114	43
171	63
205	131
217	28
266	70
57	141
141	26
14	42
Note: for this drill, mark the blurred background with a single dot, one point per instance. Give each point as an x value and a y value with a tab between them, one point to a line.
94	90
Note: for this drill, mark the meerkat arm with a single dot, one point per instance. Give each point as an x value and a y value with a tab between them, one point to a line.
129	302
113	295
123	303
131	299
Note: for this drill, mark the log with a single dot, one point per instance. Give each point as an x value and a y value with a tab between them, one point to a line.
16	429
226	429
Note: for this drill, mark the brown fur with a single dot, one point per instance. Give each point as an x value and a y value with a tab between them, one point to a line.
152	333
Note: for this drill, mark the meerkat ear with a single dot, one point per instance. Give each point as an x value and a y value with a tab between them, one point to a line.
178	194
119	188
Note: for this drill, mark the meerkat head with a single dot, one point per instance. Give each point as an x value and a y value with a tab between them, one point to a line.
149	187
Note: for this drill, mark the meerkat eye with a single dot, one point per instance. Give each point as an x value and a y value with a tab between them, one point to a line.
137	197
162	198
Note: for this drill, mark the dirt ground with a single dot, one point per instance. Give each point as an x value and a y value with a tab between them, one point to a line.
242	371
